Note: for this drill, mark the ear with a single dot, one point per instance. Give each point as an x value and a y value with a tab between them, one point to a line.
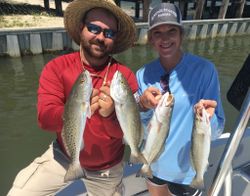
81	28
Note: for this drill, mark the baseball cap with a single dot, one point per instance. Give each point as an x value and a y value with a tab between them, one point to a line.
164	13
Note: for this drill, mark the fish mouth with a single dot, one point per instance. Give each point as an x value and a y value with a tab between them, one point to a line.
115	76
203	116
168	99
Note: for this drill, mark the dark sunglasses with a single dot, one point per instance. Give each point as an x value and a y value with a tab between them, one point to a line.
164	83
95	29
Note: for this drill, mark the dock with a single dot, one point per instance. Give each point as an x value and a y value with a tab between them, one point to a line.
16	42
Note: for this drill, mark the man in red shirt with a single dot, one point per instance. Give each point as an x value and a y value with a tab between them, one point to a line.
100	28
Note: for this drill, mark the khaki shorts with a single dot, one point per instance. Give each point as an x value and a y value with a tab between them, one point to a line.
45	176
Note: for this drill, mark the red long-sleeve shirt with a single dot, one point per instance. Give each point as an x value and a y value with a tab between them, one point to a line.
103	145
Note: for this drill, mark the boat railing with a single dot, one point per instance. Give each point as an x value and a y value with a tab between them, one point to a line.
225	164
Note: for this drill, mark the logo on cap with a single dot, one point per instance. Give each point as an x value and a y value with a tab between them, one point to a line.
164	12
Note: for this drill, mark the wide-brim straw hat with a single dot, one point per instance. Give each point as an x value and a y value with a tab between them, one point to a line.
77	9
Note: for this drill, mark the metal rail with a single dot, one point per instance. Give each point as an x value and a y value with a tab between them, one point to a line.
231	147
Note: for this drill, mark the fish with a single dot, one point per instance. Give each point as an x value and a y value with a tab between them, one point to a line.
200	147
76	112
128	115
158	131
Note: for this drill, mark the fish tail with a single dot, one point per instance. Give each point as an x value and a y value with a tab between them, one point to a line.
134	158
145	171
197	183
138	158
74	172
143	159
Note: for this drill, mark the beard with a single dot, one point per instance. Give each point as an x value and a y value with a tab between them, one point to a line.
95	48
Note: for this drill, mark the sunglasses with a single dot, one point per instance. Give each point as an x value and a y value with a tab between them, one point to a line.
95	29
164	83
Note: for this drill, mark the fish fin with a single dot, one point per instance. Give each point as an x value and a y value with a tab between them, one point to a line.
148	127
142	145
145	171
82	145
142	141
197	183
159	153
133	159
142	158
191	159
139	158
64	143
88	111
74	172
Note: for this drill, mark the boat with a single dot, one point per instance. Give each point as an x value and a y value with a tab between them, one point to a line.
228	173
237	182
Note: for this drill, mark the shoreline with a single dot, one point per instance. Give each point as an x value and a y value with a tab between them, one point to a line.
41	17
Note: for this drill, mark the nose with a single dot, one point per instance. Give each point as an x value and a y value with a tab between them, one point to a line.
100	36
165	37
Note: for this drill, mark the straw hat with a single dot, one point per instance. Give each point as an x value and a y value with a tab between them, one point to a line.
77	9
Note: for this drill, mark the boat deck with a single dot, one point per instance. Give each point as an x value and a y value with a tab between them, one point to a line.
239	182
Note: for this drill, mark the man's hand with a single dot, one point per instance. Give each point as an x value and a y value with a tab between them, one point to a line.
105	101
94	104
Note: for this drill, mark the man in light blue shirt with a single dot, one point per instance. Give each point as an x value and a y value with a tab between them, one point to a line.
194	83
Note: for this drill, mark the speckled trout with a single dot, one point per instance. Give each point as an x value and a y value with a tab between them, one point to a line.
76	111
128	115
158	130
200	147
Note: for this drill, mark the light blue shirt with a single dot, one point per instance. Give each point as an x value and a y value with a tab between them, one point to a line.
194	78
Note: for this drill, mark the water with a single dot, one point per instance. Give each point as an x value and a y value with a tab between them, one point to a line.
20	138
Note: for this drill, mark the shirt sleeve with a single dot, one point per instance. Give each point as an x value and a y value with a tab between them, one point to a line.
51	98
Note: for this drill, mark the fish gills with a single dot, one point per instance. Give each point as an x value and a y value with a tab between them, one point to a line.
128	115
158	130
76	111
200	148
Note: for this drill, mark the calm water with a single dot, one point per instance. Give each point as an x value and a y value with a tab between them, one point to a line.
20	138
